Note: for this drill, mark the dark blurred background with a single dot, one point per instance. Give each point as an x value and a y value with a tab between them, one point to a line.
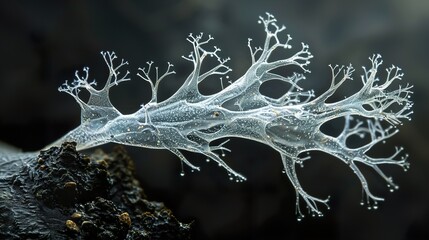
42	43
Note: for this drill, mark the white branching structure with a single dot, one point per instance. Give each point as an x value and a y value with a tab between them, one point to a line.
290	124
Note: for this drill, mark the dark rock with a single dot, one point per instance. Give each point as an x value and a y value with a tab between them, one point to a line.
63	194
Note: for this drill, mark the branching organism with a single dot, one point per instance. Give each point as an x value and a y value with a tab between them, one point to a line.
290	124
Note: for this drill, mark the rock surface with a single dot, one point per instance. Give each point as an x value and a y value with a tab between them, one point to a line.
63	194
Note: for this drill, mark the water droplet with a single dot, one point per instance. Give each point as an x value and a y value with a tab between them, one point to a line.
182	174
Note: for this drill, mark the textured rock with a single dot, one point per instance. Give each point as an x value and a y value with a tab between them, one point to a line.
64	194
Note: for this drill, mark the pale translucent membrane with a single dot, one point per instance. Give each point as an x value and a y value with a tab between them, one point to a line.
290	124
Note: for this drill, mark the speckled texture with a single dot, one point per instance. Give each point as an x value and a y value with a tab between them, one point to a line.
43	43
